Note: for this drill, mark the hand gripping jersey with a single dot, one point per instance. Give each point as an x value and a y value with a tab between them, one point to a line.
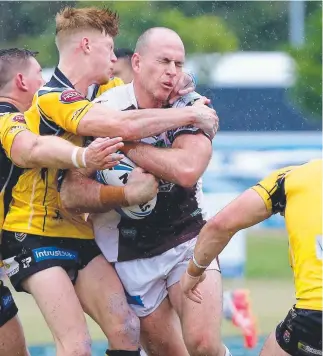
11	123
178	215
56	110
296	192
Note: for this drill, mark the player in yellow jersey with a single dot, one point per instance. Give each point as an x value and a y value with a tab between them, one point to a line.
56	250
20	78
296	193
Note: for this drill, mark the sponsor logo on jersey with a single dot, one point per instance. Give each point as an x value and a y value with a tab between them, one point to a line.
20	236
70	96
54	253
19	118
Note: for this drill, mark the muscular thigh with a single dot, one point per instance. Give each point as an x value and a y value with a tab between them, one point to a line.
99	289
161	333
195	316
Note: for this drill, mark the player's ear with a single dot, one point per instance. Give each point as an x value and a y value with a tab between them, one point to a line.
21	82
135	61
85	45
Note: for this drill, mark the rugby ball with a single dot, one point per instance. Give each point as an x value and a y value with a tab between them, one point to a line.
118	176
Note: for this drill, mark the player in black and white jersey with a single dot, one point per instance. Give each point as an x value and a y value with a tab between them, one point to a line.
237	307
151	255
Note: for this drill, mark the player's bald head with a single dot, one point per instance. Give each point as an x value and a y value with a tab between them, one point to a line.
157	36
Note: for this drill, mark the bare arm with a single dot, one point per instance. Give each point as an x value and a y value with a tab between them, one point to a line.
82	194
136	124
29	150
182	164
245	211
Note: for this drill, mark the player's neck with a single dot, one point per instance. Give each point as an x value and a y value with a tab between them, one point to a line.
76	75
19	105
144	100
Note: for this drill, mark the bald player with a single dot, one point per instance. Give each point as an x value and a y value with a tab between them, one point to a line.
236	303
151	262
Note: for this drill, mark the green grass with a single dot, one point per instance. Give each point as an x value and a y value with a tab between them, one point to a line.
267	256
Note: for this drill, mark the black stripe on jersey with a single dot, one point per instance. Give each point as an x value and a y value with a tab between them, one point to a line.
47	126
277	195
44	175
7	107
95	92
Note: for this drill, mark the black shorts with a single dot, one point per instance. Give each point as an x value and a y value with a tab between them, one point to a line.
8	308
301	332
26	254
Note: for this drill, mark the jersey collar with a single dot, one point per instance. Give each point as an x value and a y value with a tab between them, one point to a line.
7	107
58	75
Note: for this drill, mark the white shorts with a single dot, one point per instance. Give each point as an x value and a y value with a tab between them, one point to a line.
146	280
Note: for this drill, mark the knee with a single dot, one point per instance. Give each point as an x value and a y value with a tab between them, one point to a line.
205	345
126	325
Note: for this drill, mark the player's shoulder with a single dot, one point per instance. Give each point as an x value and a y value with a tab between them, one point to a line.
120	97
187	100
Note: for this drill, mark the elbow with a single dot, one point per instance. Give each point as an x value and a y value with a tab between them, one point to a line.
220	226
187	177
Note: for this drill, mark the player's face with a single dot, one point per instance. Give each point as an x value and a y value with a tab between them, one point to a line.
123	70
32	78
103	57
161	68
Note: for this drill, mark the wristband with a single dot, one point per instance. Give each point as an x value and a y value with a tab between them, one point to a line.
74	157
197	264
113	196
83	158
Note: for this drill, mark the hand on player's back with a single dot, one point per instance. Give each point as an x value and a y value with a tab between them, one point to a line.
206	118
101	153
141	187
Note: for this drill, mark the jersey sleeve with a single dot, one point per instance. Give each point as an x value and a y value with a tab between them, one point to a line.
62	109
189	129
10	126
113	82
272	190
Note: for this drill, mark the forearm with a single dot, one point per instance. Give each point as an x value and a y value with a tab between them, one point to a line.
132	124
44	151
210	243
81	194
165	163
54	152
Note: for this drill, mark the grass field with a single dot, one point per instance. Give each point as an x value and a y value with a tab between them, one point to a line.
268	277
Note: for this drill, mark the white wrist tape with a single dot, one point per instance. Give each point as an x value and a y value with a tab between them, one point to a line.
74	155
83	157
197	264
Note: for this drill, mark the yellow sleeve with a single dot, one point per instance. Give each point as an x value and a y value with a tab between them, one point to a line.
272	190
62	109
113	82
10	126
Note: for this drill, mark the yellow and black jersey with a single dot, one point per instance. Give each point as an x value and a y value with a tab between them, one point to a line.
96	90
296	193
11	123
57	109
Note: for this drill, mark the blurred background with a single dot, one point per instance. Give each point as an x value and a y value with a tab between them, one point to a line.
260	62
